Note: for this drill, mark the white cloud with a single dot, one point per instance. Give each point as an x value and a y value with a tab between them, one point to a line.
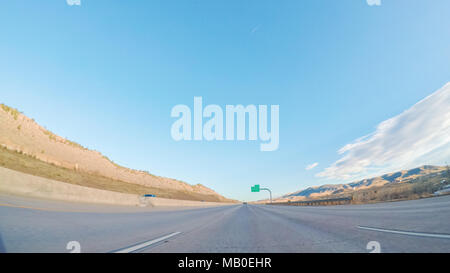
420	135
73	2
373	2
311	166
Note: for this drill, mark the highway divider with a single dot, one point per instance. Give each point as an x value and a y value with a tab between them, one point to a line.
319	202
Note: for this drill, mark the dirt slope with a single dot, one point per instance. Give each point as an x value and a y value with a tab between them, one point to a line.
23	135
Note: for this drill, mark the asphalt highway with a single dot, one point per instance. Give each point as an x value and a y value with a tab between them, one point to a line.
45	226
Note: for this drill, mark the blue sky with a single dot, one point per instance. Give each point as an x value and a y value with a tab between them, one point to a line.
106	74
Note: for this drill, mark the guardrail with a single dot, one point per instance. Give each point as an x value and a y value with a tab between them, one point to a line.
319	202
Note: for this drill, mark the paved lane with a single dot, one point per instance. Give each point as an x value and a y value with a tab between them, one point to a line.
240	228
100	230
322	229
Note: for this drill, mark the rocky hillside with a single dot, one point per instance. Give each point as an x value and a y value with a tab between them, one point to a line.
387	179
23	135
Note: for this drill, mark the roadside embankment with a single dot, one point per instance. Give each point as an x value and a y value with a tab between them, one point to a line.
17	183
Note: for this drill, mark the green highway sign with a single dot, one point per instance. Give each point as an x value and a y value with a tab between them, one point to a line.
255	188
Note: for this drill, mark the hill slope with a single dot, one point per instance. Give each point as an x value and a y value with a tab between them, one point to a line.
32	149
395	177
404	182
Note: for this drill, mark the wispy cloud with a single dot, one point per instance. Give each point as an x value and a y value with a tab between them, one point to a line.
419	135
373	2
311	166
255	29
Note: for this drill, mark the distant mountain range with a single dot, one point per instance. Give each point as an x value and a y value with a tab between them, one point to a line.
390	178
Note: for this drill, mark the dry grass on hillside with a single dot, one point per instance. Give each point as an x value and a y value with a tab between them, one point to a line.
30	165
14	112
421	187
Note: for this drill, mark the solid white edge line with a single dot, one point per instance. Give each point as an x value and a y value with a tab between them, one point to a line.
411	233
146	244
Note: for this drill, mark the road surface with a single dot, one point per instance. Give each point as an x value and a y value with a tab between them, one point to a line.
45	226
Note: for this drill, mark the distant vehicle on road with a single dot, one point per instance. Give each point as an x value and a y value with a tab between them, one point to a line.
245	203
149	195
